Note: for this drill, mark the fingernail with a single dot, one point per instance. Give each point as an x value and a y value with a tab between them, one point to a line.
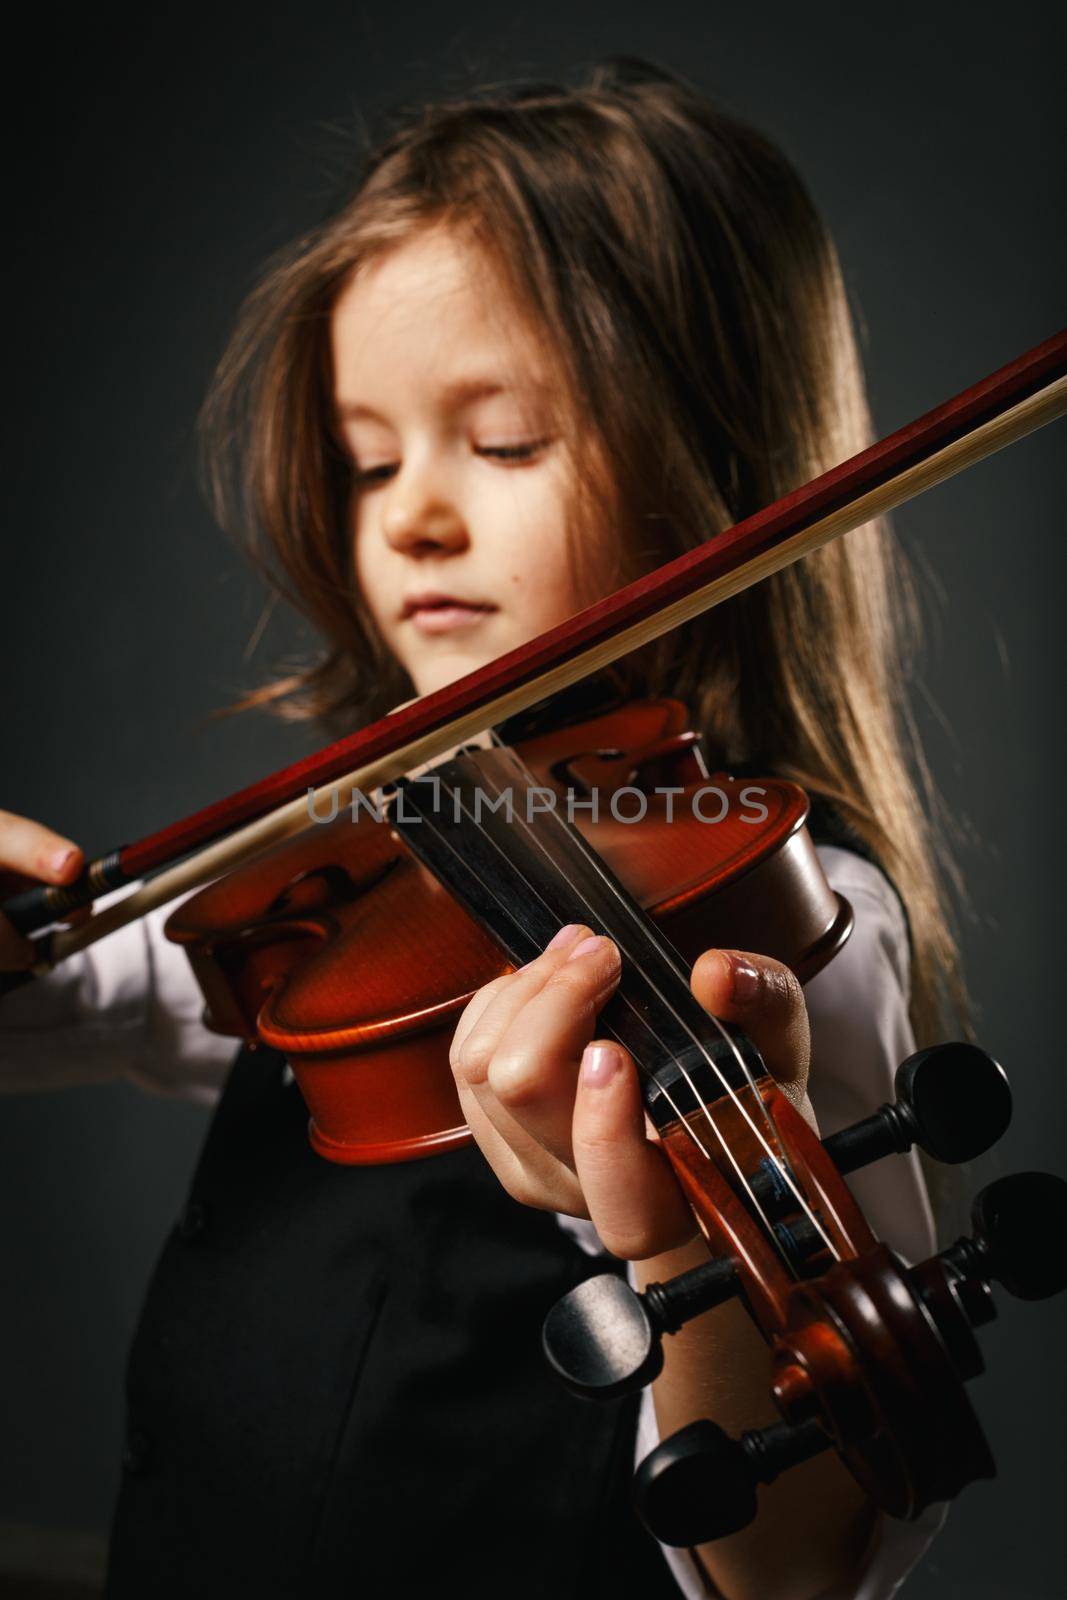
600	1063
744	979
60	862
564	936
595	942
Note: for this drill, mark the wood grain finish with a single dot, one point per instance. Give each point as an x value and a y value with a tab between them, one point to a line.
339	949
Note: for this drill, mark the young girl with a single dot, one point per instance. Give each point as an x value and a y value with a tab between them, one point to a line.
554	338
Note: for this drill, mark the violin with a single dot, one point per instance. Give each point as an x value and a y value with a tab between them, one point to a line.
374	892
355	954
353	944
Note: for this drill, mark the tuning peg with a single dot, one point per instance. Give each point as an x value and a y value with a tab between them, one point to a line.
953	1101
700	1484
1019	1227
603	1339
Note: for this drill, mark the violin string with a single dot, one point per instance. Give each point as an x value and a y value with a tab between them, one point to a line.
443	838
649	930
662	946
743	1181
642	1066
666	952
643	1021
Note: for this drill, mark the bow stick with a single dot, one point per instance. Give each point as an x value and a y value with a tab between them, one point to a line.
1008	405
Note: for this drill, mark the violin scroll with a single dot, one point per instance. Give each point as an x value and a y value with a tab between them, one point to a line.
868	1356
604	1339
700	1485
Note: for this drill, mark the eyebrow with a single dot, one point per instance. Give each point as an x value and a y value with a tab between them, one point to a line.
461	392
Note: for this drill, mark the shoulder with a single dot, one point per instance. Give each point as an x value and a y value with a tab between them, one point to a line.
847	869
879	940
858	1005
860	1033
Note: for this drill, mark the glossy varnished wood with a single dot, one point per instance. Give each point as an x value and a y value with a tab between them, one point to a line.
854	1345
696	570
343	952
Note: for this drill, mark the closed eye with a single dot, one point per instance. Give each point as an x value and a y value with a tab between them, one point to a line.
513	452
367	477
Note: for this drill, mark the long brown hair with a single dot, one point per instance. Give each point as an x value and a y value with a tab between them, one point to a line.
692	301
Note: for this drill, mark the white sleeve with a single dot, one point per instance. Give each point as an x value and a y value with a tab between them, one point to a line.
127	1007
860	1033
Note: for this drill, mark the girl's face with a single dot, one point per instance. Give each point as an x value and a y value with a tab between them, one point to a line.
462	483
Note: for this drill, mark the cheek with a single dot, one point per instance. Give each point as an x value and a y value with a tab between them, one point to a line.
541	581
550	579
367	562
535	552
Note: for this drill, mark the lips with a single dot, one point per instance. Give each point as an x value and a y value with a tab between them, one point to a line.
433	612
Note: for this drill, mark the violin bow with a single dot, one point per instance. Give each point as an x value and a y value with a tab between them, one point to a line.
1011	403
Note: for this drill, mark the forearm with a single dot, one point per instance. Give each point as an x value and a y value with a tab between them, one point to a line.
814	1524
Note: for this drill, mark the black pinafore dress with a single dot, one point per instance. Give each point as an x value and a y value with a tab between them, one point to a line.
337	1387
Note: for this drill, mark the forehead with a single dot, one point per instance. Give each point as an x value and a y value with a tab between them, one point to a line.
434	312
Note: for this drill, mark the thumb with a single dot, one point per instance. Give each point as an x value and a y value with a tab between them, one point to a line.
765	999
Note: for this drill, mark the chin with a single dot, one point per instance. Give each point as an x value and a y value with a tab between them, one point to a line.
452	656
433	675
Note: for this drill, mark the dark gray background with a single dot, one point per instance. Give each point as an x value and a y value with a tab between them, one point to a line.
157	168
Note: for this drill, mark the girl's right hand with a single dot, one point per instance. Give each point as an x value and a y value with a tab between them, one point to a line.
28	850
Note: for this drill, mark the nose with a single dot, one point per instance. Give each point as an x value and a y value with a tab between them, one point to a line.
421	517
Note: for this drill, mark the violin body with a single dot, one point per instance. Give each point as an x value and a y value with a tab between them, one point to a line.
341	950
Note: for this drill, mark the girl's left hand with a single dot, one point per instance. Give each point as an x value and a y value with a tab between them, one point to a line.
560	1118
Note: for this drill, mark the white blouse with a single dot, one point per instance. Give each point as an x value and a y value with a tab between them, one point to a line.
129	1007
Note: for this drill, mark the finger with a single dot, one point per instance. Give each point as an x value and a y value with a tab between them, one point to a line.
765	999
632	1194
32	848
534	1066
29	848
493	1007
526	1169
529	1172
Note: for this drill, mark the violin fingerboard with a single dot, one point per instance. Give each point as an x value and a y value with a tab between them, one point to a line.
499	843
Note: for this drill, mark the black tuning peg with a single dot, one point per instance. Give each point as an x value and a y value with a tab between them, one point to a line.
1020	1224
953	1101
603	1339
700	1484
